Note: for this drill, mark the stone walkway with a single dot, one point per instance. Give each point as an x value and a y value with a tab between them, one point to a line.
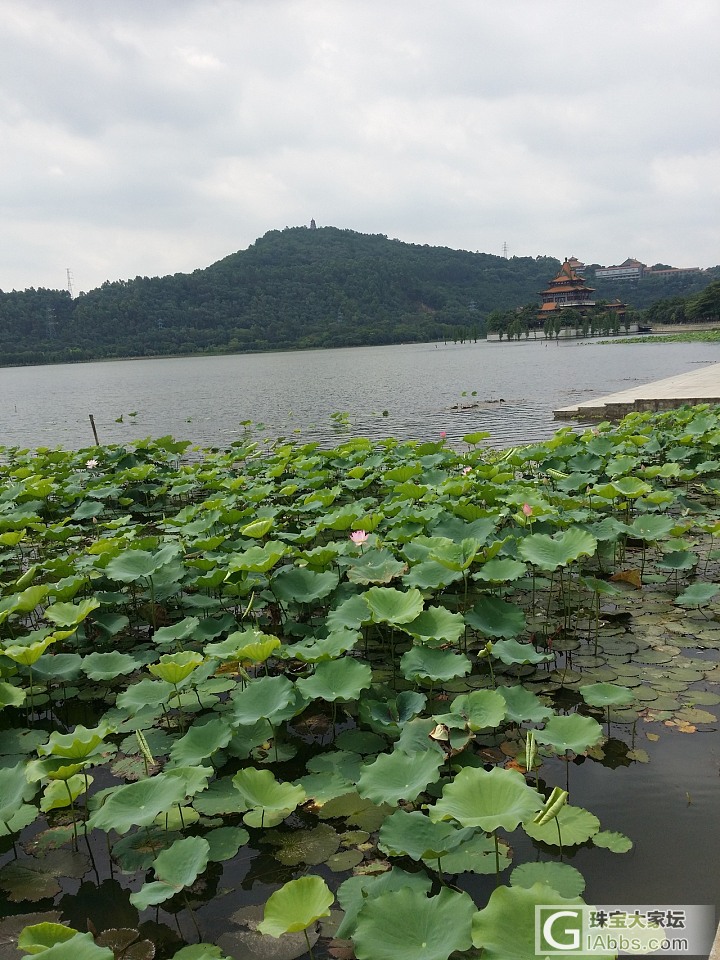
698	386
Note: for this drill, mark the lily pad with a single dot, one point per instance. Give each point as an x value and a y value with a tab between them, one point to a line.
568	881
399	775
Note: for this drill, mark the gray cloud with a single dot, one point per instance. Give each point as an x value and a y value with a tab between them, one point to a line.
146	138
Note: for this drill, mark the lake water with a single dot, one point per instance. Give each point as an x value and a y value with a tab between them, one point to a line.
407	391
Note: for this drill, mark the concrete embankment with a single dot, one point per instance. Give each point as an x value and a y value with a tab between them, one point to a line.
698	386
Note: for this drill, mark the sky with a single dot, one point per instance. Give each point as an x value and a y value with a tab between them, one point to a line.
150	137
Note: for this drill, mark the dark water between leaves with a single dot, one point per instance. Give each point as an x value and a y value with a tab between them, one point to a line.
408	392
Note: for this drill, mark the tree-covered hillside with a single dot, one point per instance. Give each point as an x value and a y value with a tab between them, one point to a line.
294	288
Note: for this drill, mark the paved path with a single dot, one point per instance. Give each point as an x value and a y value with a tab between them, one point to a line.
698	386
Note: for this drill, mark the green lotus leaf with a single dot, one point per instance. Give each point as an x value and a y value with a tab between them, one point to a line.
296	906
107	666
220	797
70	614
257	559
610	840
137	696
41	936
11	696
697	595
568	881
28	654
137	804
133	565
407	925
496	618
512	651
265	698
575	733
549	553
651	526
323	648
35	879
505	929
259	788
14	790
258	528
336	680
225	842
344	762
523	705
631	487
476	855
396	607
354	892
453	555
576	825
389	716
429	663
80	946
302	585
415	835
399	775
487	799
305	846
479	709
678	560
182	630
176	867
202	740
431	575
501	570
606	695
200	951
325	786
81	744
436	626
348	615
375	566
176	667
63	793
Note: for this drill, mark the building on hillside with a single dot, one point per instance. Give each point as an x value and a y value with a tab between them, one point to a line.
569	291
577	265
671	271
629	270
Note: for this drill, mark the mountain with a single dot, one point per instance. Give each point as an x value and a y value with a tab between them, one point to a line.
295	288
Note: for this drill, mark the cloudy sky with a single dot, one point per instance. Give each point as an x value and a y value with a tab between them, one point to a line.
146	137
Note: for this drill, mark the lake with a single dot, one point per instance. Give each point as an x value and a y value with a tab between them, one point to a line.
407	391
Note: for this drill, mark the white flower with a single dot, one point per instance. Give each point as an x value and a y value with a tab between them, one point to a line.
91	463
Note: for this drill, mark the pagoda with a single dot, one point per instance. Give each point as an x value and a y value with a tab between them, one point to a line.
567	291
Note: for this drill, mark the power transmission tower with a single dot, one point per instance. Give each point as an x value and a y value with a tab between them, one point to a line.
505	250
69	282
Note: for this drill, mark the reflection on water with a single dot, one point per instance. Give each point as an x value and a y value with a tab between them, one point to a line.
408	391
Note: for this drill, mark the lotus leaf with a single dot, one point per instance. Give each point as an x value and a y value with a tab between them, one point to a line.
606	695
501	570
176	667
523	705
301	585
202	740
407	925
375	566
305	846
571	826
11	696
107	666
41	936
35	879
296	906
477	710
549	553
390	715
176	868
697	595
63	793
133	565
615	842
260	789
568	881
396	607
138	696
436	626
323	648
265	698
348	615
476	855
356	891
399	775
81	744
81	946
137	804
494	617
336	680
429	663
431	575
415	835
487	799
70	614
505	929
14	790
512	651
574	732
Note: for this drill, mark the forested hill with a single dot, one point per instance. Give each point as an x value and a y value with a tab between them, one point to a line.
294	288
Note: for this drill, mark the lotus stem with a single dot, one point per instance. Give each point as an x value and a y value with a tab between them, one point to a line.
307	941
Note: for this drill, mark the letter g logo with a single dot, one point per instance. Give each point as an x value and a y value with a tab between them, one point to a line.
569	932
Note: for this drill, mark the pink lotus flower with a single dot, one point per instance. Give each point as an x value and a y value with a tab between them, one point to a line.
527	509
466	470
358	537
443	434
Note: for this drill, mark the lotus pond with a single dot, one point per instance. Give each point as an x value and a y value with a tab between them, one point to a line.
283	701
